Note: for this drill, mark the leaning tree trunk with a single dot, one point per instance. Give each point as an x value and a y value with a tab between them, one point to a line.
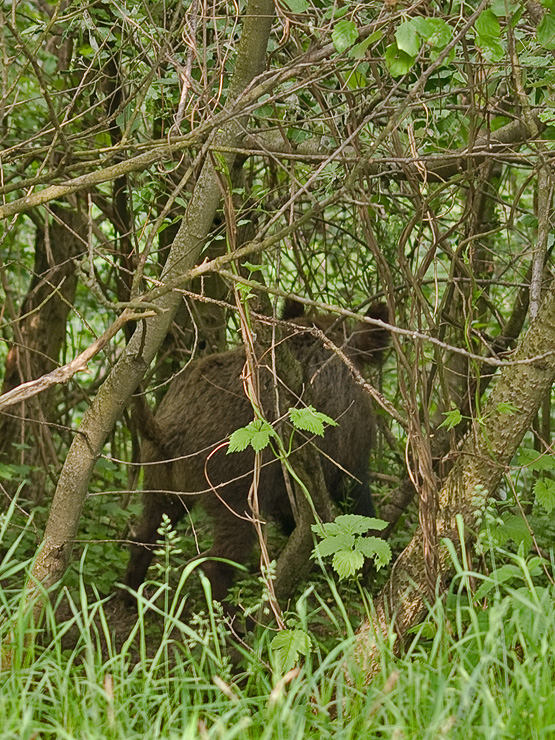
484	458
116	392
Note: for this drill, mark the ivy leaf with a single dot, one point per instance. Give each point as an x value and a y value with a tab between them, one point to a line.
544	491
310	420
347	562
287	645
344	34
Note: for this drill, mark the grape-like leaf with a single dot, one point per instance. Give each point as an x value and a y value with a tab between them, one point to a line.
544	491
347	562
287	645
310	420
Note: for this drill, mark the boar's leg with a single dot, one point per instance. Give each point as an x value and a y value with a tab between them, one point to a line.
361	498
146	535
234	539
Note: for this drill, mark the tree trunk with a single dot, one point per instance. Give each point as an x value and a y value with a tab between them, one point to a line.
39	335
487	451
116	392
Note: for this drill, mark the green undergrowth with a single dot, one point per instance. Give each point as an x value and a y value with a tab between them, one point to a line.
481	665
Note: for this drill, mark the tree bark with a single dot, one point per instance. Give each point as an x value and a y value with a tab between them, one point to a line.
113	396
39	335
487	451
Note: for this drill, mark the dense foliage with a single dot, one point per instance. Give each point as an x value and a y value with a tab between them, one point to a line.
154	170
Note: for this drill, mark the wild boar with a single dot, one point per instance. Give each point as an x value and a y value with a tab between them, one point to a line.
185	459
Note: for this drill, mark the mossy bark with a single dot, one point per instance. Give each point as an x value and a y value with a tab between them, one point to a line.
485	456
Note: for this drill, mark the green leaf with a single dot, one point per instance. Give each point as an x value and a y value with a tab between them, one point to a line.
546	31
397	61
347	562
6	471
452	418
330	545
407	38
503	7
287	645
491	49
355	80
533	460
344	34
256	434
357	524
501	575
544	491
506	407
516	529
376	548
487	26
310	420
359	50
298	6
435	31
261	435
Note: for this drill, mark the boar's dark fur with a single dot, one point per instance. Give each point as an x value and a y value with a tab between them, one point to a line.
206	403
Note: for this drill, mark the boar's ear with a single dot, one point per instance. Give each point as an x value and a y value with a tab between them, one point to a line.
369	342
292	309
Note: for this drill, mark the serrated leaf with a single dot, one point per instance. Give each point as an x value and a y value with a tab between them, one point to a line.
487	26
398	61
355	80
260	440
407	38
347	562
357	524
331	545
344	34
534	460
287	645
506	407
376	548
239	440
546	31
256	434
544	491
310	420
452	418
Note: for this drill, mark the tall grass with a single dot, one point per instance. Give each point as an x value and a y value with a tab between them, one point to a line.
477	668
